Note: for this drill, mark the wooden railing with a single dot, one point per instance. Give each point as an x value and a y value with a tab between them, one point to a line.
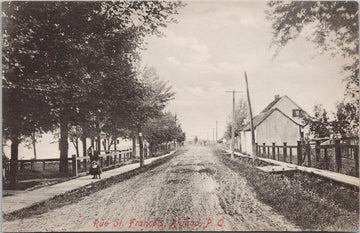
283	153
107	160
48	168
76	165
338	157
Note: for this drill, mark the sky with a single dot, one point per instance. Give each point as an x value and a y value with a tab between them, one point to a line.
206	53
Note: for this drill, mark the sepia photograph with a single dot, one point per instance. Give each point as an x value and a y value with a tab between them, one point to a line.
167	115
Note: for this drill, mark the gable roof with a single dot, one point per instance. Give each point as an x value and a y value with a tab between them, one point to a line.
258	119
267	108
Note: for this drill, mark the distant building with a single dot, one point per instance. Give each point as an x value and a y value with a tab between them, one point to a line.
279	122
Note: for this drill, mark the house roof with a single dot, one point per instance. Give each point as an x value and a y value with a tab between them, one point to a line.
258	119
267	108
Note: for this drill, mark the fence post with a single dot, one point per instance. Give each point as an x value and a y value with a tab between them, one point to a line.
291	157
317	151
273	150
74	165
326	159
285	151
32	165
299	152
22	165
264	150
257	149
338	155
44	165
308	152
356	158
115	159
85	165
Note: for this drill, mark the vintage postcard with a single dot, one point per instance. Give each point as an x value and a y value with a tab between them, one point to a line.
180	116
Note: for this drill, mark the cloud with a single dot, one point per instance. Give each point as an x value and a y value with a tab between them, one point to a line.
206	53
291	65
195	91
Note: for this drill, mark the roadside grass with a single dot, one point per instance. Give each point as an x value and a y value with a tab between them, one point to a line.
77	195
310	202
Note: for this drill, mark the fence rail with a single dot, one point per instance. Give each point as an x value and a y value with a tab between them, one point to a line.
76	165
109	159
338	157
49	168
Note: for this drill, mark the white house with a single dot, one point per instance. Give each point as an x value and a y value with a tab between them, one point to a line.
279	122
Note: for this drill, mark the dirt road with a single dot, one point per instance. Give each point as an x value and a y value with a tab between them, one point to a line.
193	191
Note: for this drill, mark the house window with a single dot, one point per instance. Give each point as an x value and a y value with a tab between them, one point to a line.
297	113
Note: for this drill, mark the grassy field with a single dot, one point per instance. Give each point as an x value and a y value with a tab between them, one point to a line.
308	201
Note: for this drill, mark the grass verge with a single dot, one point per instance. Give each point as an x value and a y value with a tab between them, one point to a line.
76	195
308	201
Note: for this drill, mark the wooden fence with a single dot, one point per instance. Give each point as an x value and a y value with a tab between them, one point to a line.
47	168
109	159
337	156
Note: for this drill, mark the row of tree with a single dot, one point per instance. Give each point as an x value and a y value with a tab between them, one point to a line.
321	126
74	67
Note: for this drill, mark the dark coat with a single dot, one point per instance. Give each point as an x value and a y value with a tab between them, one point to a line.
95	168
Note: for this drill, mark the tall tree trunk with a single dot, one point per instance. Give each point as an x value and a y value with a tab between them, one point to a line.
98	143
133	145
110	143
77	147
141	148
64	145
83	140
104	144
151	149
98	140
14	159
34	145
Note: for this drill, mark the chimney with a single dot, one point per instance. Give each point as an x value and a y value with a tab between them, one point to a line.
277	97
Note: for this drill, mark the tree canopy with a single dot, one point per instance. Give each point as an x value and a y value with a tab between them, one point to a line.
319	124
335	27
241	118
163	129
74	63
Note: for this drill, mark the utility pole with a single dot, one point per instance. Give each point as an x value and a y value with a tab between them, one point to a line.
233	124
251	120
